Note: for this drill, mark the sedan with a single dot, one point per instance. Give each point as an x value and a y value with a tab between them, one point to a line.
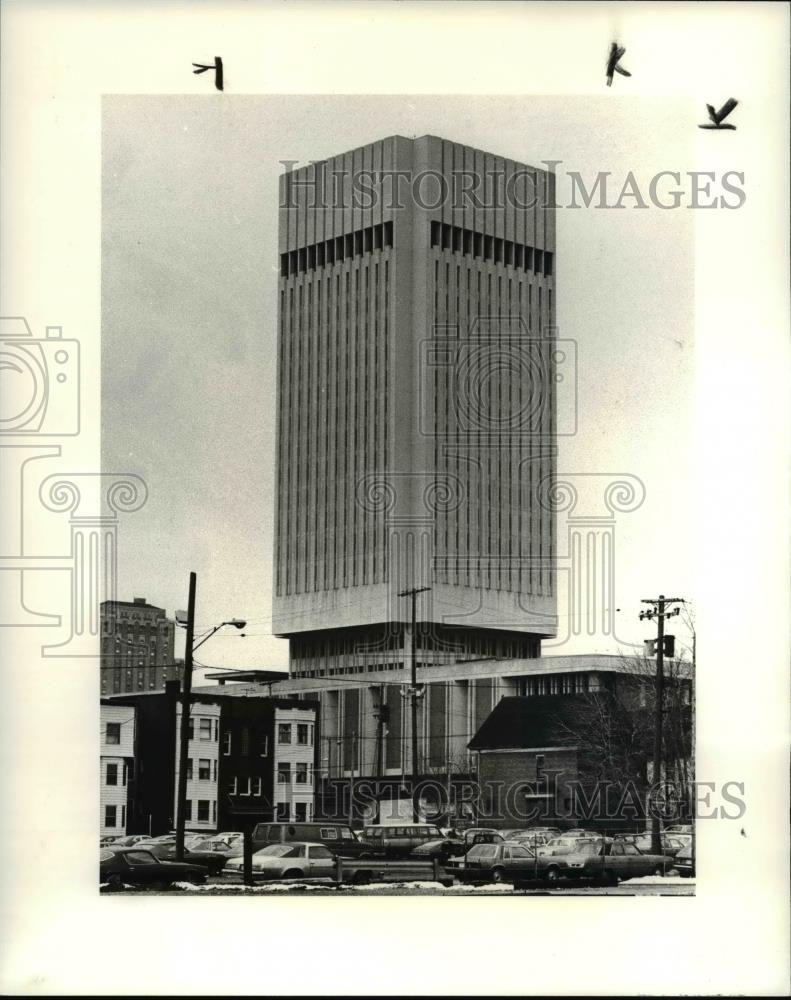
131	840
609	861
206	859
297	859
454	847
671	843
230	846
496	863
135	866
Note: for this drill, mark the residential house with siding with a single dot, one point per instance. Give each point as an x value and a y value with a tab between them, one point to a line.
116	766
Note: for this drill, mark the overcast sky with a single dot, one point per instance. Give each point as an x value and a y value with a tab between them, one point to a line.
188	328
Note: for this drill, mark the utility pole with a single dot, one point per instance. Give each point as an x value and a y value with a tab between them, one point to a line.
413	691
186	699
659	611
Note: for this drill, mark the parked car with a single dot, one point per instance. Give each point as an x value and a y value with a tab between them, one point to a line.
293	860
210	860
609	861
685	828
454	847
396	841
137	866
231	846
131	840
671	844
531	838
497	862
106	841
339	838
684	863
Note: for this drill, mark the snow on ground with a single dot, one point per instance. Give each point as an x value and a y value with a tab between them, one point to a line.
659	880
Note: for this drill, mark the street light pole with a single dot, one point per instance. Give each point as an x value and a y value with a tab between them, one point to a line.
186	699
186	704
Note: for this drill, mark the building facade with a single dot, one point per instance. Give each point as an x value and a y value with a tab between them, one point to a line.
415	442
116	766
137	647
585	758
236	751
415	407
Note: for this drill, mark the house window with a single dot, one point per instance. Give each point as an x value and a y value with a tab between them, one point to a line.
112	774
226	743
303	734
189	768
123	818
245	787
300	811
204	729
113	734
192	729
256	786
284	732
302	774
203	810
214	810
216	730
283	812
188	809
232	786
264	746
284	772
124	769
110	815
214	770
244	741
204	769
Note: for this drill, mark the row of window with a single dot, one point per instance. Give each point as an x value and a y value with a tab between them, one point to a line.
304	733
207	769
491	248
247	786
336	249
301	773
111	816
208	729
112	773
206	812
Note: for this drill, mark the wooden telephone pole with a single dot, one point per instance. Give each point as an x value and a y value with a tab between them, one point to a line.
413	592
659	611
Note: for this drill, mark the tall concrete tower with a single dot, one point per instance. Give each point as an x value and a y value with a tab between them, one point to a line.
416	408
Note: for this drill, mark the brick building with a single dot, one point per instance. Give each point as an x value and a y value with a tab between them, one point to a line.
136	647
579	758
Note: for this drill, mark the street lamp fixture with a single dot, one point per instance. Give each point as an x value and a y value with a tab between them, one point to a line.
187	621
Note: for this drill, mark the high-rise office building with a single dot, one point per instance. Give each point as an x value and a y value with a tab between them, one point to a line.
415	441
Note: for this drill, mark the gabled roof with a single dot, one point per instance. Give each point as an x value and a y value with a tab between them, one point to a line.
533	721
